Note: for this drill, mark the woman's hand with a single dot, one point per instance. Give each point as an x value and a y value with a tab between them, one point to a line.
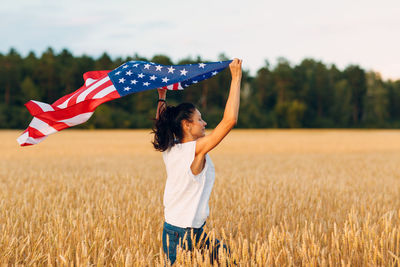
162	93
236	68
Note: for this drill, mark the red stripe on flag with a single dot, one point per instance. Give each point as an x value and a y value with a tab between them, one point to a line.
72	101
96	75
101	87
62	99
56	124
26	144
174	86
35	133
113	95
33	108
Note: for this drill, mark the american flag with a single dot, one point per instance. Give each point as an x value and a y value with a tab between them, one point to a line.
103	86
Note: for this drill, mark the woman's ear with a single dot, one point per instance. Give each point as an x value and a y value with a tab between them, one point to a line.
186	125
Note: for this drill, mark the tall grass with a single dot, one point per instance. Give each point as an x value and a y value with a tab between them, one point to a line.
281	198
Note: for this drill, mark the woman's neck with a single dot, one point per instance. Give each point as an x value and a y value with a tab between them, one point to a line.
186	139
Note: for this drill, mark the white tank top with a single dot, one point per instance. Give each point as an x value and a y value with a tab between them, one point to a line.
186	195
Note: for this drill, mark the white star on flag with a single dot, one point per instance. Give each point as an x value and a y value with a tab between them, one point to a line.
202	65
133	82
171	69
158	68
122	80
141	75
127	88
129	73
214	73
153	78
124	67
147	66
117	73
165	80
183	72
146	84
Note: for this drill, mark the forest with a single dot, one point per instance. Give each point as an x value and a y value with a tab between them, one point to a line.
310	94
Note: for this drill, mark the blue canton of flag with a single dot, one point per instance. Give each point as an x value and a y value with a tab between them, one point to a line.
137	76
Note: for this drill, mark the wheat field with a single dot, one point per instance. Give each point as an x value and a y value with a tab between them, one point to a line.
280	198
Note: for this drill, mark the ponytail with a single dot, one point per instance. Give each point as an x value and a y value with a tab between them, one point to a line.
168	128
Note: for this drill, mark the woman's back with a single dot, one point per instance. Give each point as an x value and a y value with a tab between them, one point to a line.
186	195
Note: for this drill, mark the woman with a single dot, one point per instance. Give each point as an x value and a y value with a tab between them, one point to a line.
180	135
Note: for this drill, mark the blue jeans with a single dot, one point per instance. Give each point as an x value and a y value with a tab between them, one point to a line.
182	236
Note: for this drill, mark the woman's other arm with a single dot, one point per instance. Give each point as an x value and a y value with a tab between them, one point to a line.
162	94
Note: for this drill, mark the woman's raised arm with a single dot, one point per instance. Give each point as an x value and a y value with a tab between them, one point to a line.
229	120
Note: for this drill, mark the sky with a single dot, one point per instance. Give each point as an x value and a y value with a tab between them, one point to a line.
340	32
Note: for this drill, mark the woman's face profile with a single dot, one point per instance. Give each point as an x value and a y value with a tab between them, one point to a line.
197	127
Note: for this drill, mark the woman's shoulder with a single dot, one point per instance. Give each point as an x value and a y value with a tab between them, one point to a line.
181	148
185	145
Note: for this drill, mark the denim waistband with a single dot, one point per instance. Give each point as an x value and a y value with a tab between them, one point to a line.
176	228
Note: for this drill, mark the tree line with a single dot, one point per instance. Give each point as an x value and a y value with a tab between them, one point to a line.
310	94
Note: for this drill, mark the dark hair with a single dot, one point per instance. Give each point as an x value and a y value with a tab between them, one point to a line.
168	128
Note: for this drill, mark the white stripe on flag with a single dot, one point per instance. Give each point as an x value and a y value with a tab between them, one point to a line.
81	118
35	141
22	138
82	96
42	126
89	81
104	92
25	139
171	86
65	103
44	106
